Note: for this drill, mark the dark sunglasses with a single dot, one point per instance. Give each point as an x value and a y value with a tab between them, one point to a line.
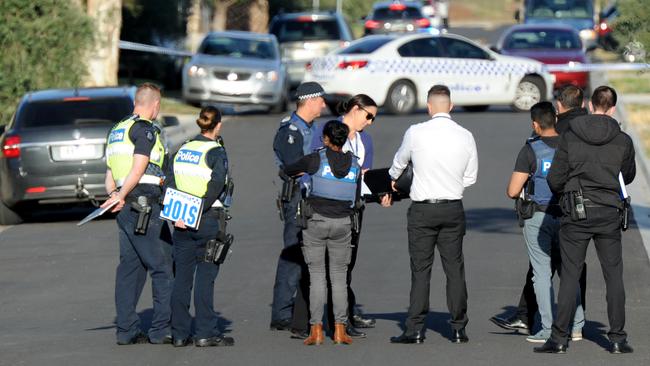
369	116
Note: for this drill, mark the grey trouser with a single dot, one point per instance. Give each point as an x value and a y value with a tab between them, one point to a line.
332	236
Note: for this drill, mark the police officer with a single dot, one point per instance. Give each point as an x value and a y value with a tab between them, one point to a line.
135	157
200	168
291	142
334	189
592	159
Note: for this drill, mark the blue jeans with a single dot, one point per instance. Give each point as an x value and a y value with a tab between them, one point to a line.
139	254
189	247
541	233
288	271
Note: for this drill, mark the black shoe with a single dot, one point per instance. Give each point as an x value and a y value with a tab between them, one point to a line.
550	347
299	334
353	332
459	336
405	339
182	342
139	338
512	323
360	322
284	324
217	341
165	340
620	347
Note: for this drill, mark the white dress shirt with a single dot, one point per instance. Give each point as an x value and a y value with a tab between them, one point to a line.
444	159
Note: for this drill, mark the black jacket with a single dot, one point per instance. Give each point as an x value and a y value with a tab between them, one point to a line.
591	154
563	119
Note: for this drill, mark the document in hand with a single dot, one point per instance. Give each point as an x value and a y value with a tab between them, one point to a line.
98	212
379	183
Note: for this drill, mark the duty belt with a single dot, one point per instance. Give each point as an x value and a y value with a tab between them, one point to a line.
437	201
146	179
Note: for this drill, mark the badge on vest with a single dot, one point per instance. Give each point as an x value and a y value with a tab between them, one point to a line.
179	205
188	156
350	178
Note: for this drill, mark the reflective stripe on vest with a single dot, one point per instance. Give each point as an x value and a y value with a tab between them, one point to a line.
326	185
191	170
120	148
542	194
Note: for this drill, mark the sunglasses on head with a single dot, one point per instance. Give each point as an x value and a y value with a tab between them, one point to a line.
369	116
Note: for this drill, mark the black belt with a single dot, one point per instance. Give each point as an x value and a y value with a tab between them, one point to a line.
436	201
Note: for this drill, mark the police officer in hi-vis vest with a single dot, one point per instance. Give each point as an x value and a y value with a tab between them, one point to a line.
135	157
200	168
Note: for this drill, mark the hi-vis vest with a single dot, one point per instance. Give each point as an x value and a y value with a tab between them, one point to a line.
191	171
119	152
541	193
326	185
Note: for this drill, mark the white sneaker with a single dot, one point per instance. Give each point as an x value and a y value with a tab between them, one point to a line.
539	337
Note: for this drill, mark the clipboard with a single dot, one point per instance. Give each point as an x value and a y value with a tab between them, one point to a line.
98	212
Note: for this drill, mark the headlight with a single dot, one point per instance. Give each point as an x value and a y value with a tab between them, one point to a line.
196	71
269	75
587	34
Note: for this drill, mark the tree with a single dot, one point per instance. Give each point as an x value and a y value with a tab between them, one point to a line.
258	20
193	27
633	24
220	13
44	44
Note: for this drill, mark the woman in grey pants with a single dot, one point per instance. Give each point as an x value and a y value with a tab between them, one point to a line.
334	189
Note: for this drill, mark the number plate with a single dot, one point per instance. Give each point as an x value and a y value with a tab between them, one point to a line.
77	152
179	205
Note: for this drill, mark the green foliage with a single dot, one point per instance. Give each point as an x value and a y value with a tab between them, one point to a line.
44	43
633	23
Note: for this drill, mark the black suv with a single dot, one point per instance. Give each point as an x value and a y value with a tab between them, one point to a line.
53	149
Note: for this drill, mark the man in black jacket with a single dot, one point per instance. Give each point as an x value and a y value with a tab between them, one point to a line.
591	156
570	104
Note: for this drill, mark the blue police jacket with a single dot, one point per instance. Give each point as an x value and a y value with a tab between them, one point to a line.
293	140
326	185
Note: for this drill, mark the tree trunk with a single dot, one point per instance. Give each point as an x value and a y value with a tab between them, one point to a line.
259	16
104	57
193	29
220	14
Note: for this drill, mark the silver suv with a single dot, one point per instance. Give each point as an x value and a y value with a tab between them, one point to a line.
306	36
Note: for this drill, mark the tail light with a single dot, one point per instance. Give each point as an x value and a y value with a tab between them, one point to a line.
352	65
10	147
372	24
308	66
423	23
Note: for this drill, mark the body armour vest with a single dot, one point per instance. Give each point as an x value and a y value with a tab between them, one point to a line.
326	185
191	170
541	193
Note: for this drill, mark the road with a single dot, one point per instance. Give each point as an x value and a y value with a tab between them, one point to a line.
56	288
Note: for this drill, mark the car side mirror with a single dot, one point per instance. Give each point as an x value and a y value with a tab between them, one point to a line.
517	15
494	48
169	121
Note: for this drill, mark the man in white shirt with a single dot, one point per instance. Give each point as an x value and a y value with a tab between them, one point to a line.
445	162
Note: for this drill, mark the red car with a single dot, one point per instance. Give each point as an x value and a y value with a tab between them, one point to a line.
550	44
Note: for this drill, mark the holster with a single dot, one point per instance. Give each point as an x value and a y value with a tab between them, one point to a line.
303	214
576	205
218	249
289	187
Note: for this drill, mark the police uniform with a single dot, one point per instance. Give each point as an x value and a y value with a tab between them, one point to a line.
140	253
199	168
291	142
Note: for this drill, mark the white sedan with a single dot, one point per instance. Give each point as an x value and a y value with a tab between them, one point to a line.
397	72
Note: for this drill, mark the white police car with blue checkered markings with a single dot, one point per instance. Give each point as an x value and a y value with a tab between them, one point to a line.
397	72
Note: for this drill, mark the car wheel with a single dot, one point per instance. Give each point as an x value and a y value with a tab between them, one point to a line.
8	216
529	91
402	97
476	108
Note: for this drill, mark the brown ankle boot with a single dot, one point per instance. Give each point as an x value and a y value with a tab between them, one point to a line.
340	335
316	336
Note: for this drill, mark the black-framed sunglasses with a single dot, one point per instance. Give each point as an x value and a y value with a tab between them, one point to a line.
369	116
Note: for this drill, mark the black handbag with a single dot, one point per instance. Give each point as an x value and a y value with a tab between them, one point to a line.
403	183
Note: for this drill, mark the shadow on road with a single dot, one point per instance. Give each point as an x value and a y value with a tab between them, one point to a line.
492	220
435	321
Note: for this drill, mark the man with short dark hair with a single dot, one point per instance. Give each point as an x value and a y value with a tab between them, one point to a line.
445	162
570	104
593	160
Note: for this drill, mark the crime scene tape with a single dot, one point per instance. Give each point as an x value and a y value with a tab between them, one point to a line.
132	46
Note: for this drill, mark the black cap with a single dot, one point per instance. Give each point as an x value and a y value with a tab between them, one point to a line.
308	90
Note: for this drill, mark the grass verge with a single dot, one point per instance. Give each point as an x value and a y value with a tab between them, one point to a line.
630	82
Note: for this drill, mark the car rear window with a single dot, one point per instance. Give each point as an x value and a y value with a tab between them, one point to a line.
397	13
69	113
306	30
365	46
238	47
542	39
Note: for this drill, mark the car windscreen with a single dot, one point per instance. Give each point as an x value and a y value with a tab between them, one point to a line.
543	39
560	9
77	112
238	47
389	13
308	29
365	46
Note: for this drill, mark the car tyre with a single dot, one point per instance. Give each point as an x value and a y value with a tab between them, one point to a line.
476	108
402	97
9	216
530	90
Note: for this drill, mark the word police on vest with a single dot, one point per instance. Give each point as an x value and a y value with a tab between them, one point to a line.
546	165
189	156
351	177
116	136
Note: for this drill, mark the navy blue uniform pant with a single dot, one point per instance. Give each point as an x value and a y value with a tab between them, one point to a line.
189	248
139	254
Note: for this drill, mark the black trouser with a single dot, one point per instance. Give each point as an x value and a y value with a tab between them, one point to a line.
602	225
439	225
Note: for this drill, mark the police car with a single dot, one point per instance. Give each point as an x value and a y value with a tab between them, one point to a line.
397	72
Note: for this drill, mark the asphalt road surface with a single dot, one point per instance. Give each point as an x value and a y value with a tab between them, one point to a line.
57	280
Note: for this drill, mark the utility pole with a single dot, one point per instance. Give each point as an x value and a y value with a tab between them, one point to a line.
339	6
